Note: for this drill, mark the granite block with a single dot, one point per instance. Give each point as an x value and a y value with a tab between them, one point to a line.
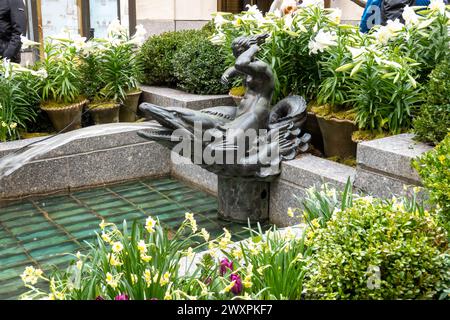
284	195
42	176
307	171
168	97
118	164
380	185
106	136
392	156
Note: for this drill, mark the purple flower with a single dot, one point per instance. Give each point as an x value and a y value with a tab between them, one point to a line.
99	298
225	265
121	297
237	288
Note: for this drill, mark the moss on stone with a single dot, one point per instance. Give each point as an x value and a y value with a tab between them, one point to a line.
350	161
367	135
238	91
332	112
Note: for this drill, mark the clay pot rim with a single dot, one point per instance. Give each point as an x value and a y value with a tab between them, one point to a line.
67	107
98	109
134	93
335	119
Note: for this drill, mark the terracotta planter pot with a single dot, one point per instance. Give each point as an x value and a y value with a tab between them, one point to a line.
129	108
102	115
313	128
66	118
337	137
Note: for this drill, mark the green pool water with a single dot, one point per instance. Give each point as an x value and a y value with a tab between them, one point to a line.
41	231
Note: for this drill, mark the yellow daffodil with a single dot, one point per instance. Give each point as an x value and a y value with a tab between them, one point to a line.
145	257
106	238
148	277
205	234
165	279
111	280
113	260
142	247
150	224
290	212
117	247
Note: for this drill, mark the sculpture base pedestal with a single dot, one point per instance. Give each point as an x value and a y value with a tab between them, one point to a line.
241	200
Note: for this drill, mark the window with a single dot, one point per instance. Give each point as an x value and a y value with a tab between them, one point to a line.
86	17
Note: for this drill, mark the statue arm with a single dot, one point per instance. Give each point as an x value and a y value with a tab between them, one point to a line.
245	64
229	74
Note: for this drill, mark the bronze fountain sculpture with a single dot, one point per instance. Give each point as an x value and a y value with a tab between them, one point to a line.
243	145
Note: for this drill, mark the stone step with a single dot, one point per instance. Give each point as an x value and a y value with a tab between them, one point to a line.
168	97
392	156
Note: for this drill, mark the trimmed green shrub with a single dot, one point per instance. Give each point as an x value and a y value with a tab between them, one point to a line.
439	84
199	65
156	56
433	123
377	250
434	169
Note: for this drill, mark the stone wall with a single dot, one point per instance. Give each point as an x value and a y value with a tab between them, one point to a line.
103	159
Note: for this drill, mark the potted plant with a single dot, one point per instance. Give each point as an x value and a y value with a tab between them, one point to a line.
19	94
62	88
121	69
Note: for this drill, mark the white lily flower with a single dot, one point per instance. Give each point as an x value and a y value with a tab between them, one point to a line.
219	21
356	52
27	43
395	26
336	15
437	5
322	41
218	38
410	16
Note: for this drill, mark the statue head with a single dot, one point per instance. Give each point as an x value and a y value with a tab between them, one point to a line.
243	43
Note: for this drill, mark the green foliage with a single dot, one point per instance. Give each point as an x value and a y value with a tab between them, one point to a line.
432	123
434	169
156	57
320	205
378	250
19	95
438	91
119	71
272	265
64	82
198	66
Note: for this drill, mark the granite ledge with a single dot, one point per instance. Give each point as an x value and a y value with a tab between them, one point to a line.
308	170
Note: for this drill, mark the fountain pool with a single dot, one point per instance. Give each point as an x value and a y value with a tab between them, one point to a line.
42	231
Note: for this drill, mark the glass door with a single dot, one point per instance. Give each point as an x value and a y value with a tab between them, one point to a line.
60	15
102	13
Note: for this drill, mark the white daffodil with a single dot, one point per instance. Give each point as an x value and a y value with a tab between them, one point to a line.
437	5
410	16
322	41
